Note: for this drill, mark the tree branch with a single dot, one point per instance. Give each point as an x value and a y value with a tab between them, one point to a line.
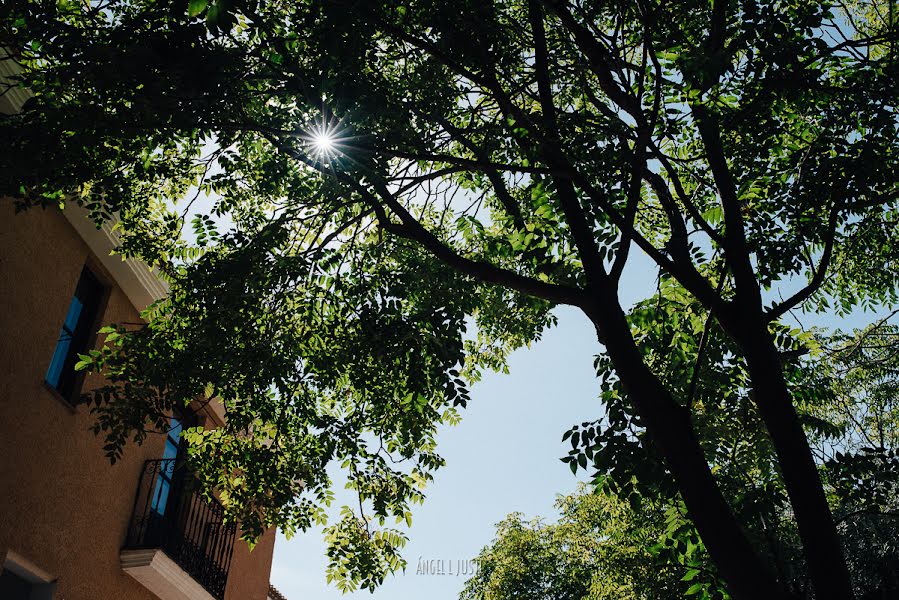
820	275
580	229
410	228
735	246
598	59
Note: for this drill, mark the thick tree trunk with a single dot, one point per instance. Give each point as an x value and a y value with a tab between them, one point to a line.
817	530
747	574
749	328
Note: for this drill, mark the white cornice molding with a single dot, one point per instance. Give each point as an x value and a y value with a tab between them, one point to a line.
161	575
11	101
140	283
24	568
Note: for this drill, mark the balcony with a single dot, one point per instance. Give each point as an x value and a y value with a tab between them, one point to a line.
178	545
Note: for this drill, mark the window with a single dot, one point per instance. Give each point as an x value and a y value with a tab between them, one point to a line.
76	333
167	467
18	582
14	587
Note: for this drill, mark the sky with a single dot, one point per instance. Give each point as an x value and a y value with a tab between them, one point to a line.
503	457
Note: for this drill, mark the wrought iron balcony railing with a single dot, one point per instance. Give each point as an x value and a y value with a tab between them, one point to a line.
171	515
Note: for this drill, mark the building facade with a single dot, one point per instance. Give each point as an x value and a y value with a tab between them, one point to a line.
73	526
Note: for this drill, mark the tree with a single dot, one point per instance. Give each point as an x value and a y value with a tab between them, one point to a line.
599	549
862	470
392	169
631	538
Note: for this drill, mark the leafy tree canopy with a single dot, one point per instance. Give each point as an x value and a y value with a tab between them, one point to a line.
410	187
598	549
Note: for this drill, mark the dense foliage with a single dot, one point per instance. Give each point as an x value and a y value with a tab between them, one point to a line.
400	191
600	549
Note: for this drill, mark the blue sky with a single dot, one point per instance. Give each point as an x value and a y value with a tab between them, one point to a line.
502	458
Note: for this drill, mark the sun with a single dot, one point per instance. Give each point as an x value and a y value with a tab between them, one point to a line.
323	142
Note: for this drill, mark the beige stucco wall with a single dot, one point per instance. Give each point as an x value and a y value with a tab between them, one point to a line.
63	507
253	568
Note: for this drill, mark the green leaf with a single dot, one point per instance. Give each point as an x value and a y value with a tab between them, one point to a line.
83	362
195	7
